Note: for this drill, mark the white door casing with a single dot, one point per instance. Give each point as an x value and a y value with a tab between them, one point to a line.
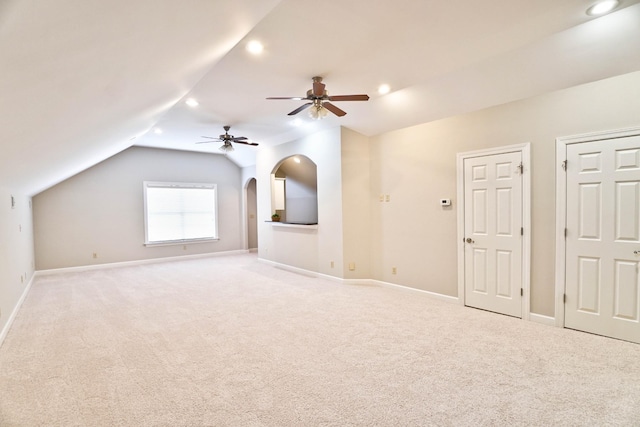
601	292
493	230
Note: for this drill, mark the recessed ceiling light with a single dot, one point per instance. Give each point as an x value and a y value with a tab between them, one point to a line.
191	102
602	7
157	131
382	89
255	47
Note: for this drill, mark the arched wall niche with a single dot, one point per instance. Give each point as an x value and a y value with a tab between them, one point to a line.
294	190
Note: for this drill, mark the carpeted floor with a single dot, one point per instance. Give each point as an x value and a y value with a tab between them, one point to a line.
229	341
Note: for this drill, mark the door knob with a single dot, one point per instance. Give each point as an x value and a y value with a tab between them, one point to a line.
470	240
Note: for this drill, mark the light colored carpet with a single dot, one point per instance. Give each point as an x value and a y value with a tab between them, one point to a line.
229	341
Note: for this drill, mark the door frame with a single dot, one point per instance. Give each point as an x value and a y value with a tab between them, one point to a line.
525	152
561	205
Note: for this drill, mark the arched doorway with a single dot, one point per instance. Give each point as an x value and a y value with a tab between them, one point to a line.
252	216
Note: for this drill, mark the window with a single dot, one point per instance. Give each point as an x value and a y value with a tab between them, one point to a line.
179	212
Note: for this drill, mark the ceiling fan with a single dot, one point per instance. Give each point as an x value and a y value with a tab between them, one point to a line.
320	101
227	139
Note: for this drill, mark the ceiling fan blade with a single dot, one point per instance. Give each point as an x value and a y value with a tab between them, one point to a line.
247	143
295	98
318	88
335	110
238	138
302	107
349	98
211	137
205	142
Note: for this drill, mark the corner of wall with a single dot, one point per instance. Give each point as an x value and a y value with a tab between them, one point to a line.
16	255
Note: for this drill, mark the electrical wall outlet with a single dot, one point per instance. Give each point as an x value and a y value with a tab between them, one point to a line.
95	255
394	270
332	264
352	266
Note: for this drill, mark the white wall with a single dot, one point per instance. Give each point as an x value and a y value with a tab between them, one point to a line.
416	166
309	249
16	254
101	209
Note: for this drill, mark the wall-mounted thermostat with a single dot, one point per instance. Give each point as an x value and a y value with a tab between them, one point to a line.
445	202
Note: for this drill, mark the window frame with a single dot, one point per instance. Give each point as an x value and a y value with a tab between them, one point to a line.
179	185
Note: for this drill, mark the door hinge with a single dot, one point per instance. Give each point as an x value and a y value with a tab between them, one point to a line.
565	233
564	165
521	168
521	292
522	231
564	298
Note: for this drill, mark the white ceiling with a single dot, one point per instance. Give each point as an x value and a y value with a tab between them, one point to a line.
82	80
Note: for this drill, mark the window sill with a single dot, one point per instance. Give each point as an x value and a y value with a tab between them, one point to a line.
180	242
293	225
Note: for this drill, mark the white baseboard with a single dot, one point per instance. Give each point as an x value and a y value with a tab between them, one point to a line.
291	268
435	295
540	318
137	262
310	273
16	309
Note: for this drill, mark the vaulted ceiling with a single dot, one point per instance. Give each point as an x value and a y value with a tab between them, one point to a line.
81	80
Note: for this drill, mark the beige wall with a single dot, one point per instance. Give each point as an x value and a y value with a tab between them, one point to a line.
16	253
416	166
101	209
356	204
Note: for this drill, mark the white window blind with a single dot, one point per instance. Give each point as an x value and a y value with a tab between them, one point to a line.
178	212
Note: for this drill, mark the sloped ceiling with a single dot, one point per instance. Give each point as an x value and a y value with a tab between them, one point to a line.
82	80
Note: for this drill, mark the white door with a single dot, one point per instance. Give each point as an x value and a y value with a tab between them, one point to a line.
492	233
602	285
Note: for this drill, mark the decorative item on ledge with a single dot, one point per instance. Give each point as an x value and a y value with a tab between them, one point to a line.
275	217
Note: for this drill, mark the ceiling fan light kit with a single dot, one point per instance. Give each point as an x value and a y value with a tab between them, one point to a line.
226	147
317	111
319	101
